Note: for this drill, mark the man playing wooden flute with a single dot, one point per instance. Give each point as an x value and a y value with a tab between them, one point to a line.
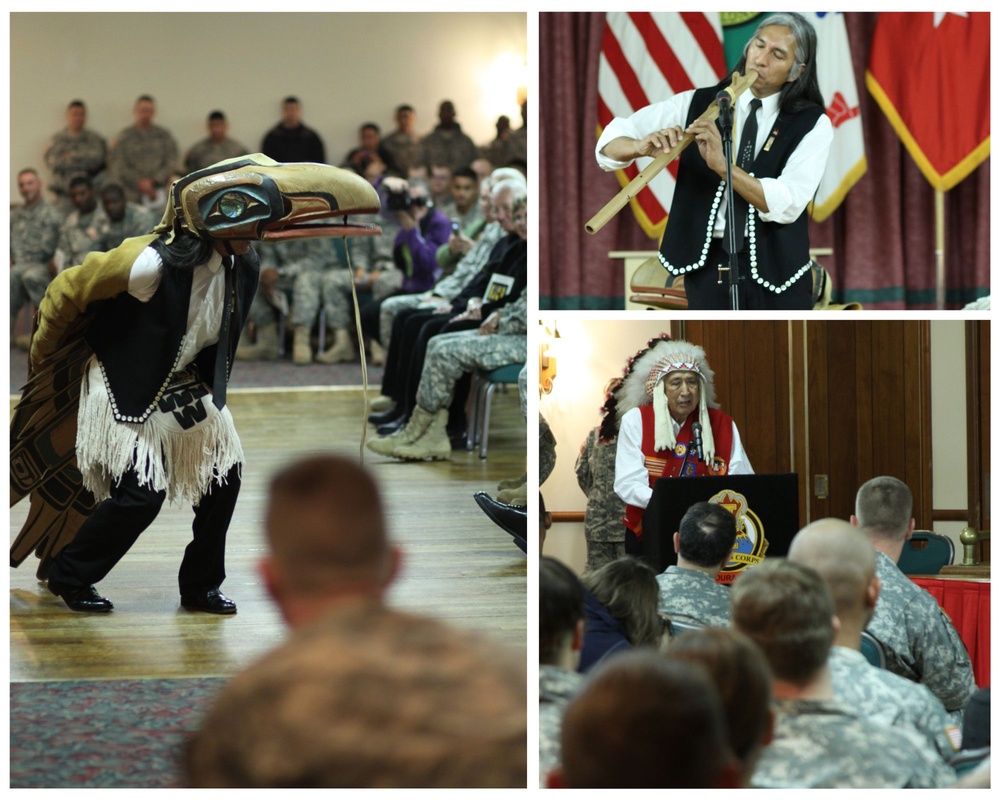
781	140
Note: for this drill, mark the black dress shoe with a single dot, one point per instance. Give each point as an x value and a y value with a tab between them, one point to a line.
392	426
380	418
513	519
84	598
211	601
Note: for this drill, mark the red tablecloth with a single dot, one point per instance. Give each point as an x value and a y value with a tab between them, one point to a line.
968	605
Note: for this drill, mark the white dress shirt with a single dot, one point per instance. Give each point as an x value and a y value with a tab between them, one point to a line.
631	475
787	195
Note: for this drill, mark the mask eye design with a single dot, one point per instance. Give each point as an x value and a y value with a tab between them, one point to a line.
235	206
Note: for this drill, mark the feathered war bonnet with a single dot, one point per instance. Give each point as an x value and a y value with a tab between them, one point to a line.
641	386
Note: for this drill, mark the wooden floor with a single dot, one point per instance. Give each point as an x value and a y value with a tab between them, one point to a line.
458	565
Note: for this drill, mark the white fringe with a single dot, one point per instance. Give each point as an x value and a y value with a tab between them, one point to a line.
184	464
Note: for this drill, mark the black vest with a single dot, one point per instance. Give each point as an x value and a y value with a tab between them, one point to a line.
779	254
139	344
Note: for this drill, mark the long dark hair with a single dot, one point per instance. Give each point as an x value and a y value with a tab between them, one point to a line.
185	252
804	90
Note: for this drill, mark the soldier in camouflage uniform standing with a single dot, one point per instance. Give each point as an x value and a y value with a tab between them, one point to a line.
216	147
788	610
560	637
80	233
34	235
144	156
845	559
122	220
296	266
75	150
688	589
919	640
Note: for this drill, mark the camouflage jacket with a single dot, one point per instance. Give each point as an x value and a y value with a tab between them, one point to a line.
595	475
556	687
919	640
297	256
546	450
34	233
80	234
820	744
136	222
70	155
143	154
881	696
692	596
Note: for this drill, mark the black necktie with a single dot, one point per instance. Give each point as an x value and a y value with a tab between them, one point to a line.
744	160
222	348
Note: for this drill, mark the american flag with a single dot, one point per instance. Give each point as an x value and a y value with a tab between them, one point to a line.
646	58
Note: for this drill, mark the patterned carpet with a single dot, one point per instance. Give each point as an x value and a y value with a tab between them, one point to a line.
251	374
104	734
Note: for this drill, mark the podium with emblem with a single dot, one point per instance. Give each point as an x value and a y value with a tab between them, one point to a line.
766	508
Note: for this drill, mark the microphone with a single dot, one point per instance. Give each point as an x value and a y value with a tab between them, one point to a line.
724	100
696	442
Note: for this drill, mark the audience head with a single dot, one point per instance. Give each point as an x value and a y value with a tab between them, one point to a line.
113	200
446	114
883	509
370	136
644	721
524	112
845	559
507	194
464	189
76	116
482	167
440	179
787	609
326	535
519	220
217	126
560	614
29	185
144	111
627	588
706	536
291	112
503	125
742	677
405	118
81	193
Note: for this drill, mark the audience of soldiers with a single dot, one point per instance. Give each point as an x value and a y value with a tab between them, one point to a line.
797	702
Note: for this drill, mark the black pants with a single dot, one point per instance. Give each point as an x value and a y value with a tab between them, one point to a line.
117	522
705	293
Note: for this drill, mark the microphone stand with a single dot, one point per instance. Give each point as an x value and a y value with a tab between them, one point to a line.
726	124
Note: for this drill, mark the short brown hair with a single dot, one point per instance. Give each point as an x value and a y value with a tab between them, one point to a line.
884	508
324	522
787	609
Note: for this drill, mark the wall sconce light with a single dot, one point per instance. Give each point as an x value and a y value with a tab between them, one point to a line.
547	358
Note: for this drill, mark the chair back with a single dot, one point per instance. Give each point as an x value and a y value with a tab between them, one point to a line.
967	760
925	553
872	650
677	627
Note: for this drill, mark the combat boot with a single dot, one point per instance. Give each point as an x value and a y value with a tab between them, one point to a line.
517	496
376	353
512	483
409	433
301	349
383	403
433	443
266	348
342	348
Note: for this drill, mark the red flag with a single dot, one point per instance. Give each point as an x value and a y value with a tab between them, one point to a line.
930	74
647	57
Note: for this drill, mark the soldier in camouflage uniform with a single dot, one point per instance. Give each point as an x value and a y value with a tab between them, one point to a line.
34	235
560	635
602	527
688	590
75	150
216	147
403	143
80	233
289	266
144	156
919	640
500	340
845	559
788	610
359	694
122	220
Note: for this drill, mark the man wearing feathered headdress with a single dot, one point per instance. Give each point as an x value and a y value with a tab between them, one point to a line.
125	404
669	427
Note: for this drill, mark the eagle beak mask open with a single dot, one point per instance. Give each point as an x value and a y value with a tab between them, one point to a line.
255	197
